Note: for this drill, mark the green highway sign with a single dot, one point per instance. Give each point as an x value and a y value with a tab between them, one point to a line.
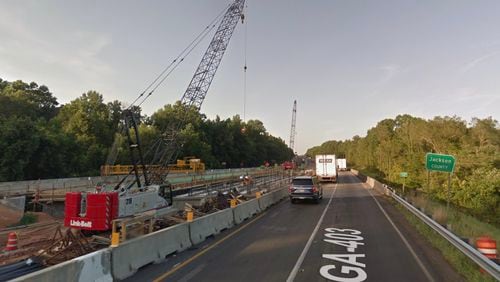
439	162
403	174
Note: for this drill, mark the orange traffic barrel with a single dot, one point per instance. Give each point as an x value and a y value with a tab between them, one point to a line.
11	242
487	246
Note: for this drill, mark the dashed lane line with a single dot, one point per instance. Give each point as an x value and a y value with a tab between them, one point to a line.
302	256
181	265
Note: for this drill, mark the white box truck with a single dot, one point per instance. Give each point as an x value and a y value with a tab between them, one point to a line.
326	168
342	164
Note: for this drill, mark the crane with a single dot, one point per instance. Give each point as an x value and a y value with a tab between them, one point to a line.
292	130
167	148
86	210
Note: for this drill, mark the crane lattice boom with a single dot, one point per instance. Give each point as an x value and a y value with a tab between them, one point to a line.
200	83
292	130
169	147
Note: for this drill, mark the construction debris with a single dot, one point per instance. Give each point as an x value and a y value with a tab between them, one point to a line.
65	245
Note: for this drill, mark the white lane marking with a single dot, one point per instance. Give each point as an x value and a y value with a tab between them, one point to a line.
419	262
302	256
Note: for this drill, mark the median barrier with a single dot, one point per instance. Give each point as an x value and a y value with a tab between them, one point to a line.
266	201
208	225
245	210
278	195
129	256
370	181
95	266
284	193
379	186
362	177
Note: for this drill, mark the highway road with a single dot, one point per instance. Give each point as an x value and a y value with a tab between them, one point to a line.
352	235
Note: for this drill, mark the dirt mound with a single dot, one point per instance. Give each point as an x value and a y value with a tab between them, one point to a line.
9	216
43	217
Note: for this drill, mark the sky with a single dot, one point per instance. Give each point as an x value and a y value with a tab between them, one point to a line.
349	64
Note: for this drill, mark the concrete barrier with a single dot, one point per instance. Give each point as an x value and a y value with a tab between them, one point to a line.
245	210
129	256
180	202
362	177
379	186
95	266
284	193
209	225
280	194
372	183
266	201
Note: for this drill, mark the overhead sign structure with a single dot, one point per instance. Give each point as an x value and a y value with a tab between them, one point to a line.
439	162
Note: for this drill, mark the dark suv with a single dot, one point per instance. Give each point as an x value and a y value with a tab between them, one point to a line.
305	187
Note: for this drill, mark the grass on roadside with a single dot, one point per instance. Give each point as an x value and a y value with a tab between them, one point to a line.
461	224
462	264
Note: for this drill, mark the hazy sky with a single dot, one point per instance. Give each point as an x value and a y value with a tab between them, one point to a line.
348	63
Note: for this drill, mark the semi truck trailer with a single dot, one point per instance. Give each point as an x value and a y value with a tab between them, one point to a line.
326	168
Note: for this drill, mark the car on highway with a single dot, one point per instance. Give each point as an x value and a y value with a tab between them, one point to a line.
305	188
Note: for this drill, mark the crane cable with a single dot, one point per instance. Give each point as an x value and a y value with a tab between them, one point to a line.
113	154
159	79
177	64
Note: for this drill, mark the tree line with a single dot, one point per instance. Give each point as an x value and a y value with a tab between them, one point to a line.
39	138
400	144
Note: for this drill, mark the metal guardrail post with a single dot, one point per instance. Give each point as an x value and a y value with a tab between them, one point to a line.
489	266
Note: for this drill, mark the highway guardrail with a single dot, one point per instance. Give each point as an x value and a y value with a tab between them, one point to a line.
485	263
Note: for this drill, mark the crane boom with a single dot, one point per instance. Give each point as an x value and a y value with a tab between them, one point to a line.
169	147
200	83
292	130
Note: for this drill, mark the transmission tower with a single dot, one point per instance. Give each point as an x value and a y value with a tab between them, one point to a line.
292	130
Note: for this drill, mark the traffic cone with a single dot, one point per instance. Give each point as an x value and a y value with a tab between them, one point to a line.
11	242
487	246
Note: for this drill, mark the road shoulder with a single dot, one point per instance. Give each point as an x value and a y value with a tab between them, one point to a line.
431	257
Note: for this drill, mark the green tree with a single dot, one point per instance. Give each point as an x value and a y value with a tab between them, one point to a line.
90	121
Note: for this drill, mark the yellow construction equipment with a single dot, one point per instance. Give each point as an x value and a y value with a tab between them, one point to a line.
186	165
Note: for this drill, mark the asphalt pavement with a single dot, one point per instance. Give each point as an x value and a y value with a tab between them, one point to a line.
353	234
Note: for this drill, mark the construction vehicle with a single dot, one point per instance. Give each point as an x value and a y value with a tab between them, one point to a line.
149	190
187	164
